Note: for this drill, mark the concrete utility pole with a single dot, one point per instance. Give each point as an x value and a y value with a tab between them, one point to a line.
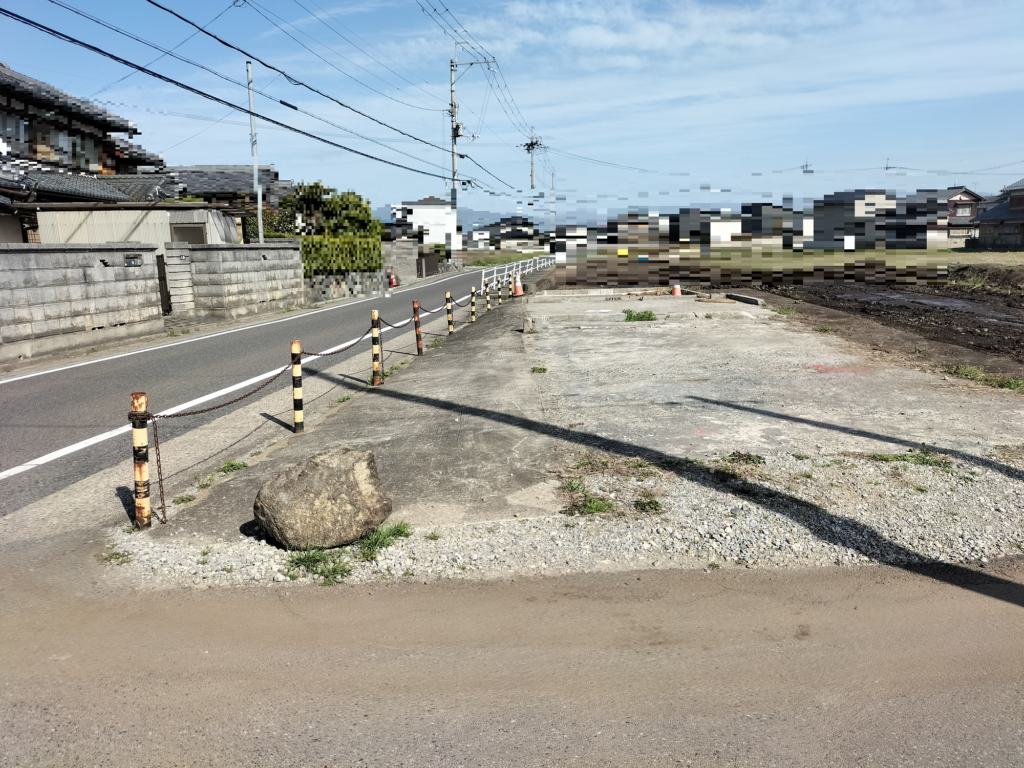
255	154
531	146
458	129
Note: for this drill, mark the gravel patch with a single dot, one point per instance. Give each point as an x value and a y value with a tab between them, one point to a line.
792	510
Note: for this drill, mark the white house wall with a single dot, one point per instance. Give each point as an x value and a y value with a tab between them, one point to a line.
84	227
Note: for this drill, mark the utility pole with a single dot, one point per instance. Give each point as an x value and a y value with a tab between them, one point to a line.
532	145
458	129
255	154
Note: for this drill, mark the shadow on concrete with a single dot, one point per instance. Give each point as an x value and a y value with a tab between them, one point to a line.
833	529
277	421
967	458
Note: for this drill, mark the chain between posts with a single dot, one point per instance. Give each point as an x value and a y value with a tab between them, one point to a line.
147	416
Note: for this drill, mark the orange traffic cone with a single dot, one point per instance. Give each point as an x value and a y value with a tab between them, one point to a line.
676	291
394	279
518	290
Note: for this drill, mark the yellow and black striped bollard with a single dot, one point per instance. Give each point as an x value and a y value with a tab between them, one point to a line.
375	345
416	324
451	317
139	418
472	304
297	387
500	286
487	293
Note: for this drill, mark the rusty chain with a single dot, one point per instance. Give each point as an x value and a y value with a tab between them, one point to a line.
147	416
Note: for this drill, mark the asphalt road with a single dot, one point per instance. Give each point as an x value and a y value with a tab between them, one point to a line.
46	413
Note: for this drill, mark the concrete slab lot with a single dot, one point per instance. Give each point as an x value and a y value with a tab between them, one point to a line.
720	537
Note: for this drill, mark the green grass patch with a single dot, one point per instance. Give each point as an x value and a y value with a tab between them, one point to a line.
344	399
538	369
713	566
232	466
974	373
572	485
825	329
591	505
369	544
204	484
183	499
920	456
920	489
117	558
436	342
635	317
739	457
647	503
787	311
807	475
330	566
800	456
433	535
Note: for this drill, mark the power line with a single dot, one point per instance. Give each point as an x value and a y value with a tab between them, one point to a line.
291	79
260	10
211	97
598	162
154	61
365	53
232	80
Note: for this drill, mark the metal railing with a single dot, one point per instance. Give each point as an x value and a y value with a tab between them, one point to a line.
499	273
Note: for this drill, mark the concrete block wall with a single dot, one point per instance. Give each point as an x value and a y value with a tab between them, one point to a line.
234	280
61	297
345	285
401	254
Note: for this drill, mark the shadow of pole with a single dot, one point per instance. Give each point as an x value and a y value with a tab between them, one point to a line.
967	458
833	529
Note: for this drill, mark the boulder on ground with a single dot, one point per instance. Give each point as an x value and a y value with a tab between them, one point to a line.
329	500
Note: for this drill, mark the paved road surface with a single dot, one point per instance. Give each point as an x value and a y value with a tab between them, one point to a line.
45	413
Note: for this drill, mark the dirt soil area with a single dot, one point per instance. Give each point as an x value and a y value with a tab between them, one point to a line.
976	319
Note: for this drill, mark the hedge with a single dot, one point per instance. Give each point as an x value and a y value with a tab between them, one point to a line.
324	254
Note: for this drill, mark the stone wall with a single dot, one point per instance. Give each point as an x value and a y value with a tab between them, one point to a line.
234	280
60	297
344	285
401	255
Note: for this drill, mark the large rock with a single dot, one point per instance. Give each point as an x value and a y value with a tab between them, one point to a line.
329	500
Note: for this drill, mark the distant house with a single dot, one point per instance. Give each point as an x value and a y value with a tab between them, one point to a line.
870	219
1001	224
963	206
431	221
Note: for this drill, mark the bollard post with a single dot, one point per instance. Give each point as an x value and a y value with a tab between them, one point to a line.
139	418
375	342
297	422
472	304
500	285
451	317
416	324
487	293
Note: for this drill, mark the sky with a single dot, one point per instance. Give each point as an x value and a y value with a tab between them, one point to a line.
696	102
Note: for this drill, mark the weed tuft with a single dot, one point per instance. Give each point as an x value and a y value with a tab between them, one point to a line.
572	485
634	317
183	499
787	311
801	456
538	369
825	329
344	399
739	457
369	544
433	535
171	333
920	489
436	342
713	566
807	475
117	558
331	566
647	503
974	373
921	456
232	466
204	484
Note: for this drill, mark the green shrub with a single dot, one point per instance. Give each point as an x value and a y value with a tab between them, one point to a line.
633	317
322	254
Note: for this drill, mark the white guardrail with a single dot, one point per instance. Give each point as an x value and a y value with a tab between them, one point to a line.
494	274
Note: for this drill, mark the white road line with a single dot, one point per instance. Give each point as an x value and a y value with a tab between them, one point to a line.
210	336
169	412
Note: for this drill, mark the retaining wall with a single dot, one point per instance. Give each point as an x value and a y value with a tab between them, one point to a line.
60	297
321	287
234	280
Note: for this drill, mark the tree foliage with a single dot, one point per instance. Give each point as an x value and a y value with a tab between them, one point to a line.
318	210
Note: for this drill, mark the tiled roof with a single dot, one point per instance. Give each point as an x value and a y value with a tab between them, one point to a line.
1000	212
430	201
130	151
144	187
230	181
70	186
1015	186
959	220
30	88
